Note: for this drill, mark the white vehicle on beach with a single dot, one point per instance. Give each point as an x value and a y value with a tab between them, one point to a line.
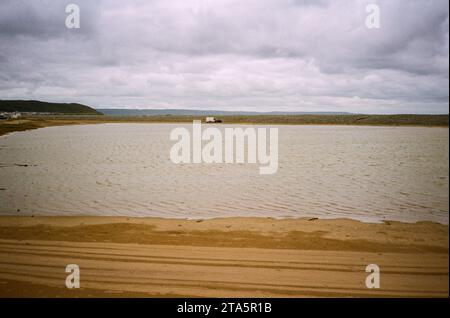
212	120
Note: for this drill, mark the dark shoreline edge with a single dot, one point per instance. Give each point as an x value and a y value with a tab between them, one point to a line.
29	123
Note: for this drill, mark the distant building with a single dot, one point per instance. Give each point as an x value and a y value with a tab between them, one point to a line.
212	120
13	115
16	115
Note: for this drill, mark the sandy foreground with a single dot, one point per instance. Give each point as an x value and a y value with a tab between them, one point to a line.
229	257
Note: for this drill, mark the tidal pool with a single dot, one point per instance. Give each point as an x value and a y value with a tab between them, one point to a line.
359	172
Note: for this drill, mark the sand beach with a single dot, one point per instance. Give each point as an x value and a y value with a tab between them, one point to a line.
228	257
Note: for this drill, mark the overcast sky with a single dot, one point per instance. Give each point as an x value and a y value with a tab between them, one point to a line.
262	55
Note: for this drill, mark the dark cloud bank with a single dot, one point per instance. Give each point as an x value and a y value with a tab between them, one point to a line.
280	55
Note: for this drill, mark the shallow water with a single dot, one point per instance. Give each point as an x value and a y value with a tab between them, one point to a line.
364	173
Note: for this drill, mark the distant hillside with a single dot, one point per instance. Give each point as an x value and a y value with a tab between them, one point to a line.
45	107
193	112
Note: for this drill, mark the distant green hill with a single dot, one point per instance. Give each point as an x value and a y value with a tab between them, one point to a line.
45	107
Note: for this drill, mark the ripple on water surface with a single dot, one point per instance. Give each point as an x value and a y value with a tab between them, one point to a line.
365	173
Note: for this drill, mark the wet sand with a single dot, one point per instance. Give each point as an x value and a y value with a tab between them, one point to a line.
229	257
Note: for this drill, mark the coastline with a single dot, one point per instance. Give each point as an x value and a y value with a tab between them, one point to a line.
433	121
220	257
228	257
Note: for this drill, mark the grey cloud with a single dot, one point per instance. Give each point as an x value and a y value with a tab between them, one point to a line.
258	54
42	19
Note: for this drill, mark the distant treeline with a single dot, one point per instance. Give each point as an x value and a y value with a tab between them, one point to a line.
34	106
